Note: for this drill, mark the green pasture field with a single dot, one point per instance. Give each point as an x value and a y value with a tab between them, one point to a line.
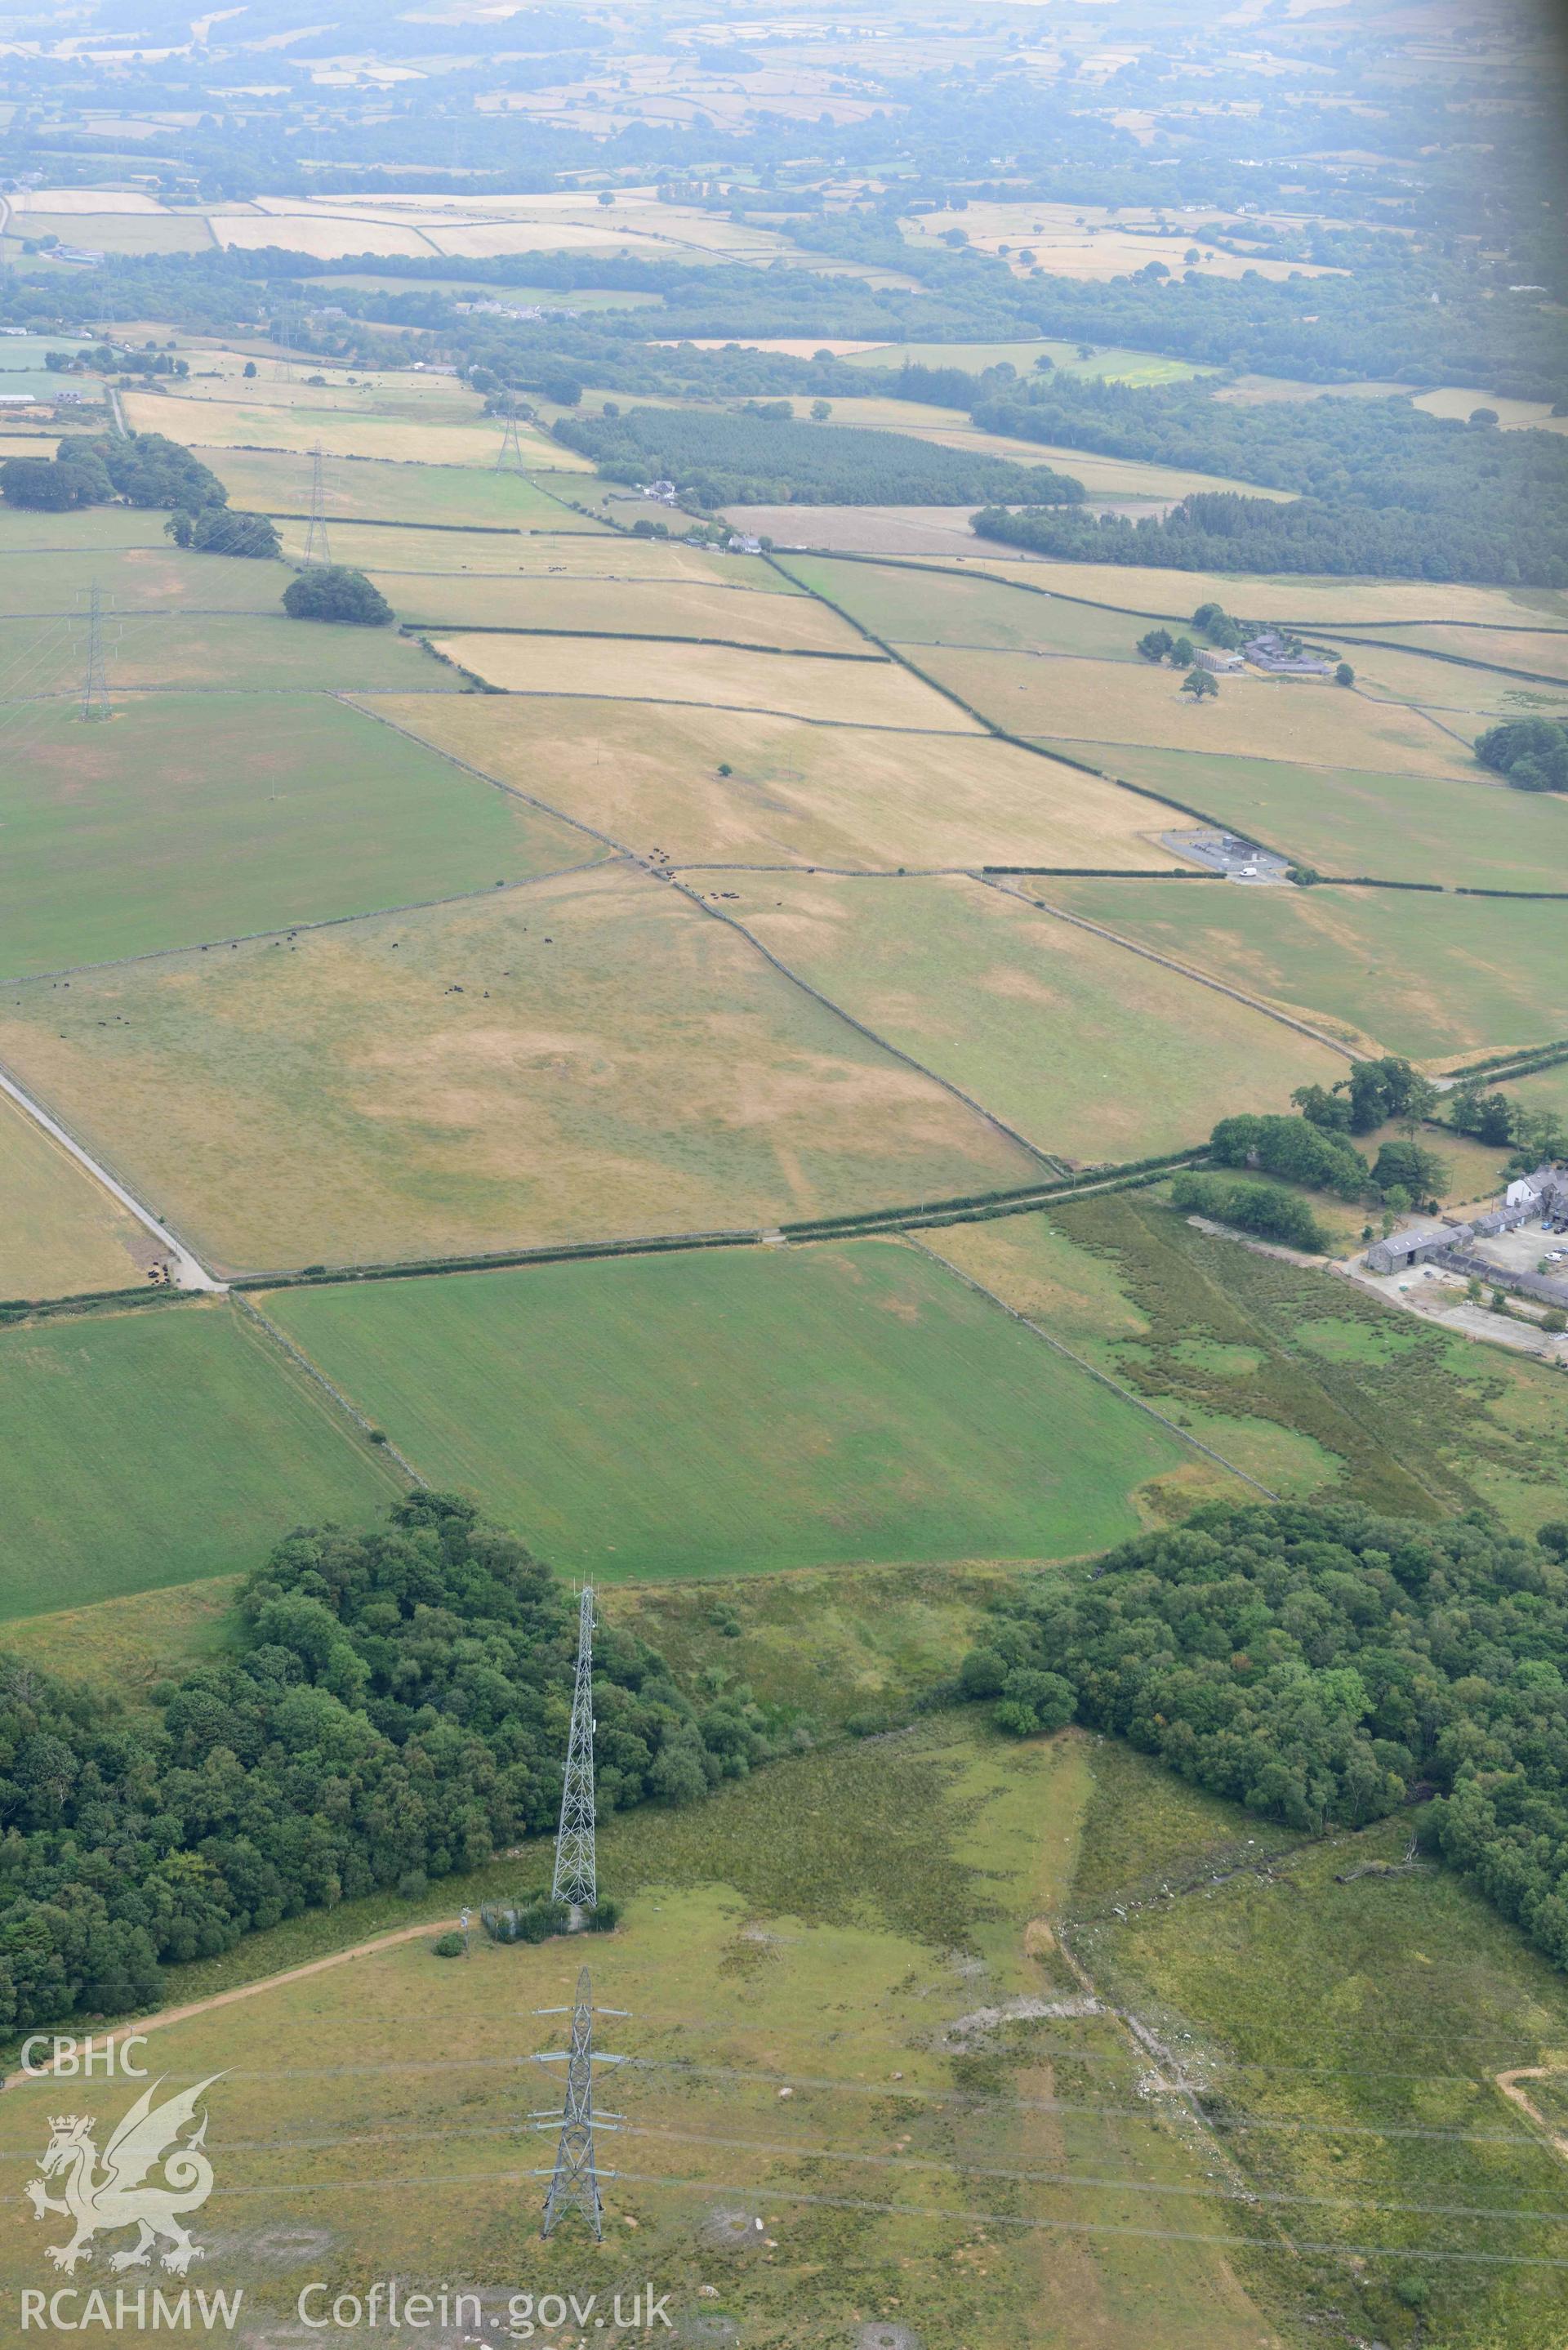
721	1414
133	233
90	530
263	652
160	1445
650	776
203	816
1360	2024
1091	1054
1031	1265
920	608
60	1232
129	1644
159	573
1424	975
271	481
838	1913
1343	820
1406	1417
1118	366
590	1058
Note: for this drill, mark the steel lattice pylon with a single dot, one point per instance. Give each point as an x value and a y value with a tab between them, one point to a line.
509	456
318	545
575	2180
95	677
576	1879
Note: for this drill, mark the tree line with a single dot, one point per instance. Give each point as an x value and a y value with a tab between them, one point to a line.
1325	1667
397	1713
1507	542
143	468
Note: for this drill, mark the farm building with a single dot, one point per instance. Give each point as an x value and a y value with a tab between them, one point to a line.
1221	663
1416	1247
1544	1193
1271	651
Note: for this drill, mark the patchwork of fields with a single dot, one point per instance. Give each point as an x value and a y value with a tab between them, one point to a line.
681	926
683	1029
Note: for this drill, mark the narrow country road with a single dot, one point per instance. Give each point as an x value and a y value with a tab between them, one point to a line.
188	1272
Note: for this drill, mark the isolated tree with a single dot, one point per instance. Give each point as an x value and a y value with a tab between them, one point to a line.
1155	644
1345	674
333	592
1181	653
249	367
1199	683
821	409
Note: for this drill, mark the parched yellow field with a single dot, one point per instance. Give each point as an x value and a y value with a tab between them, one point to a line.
833	692
398	392
586	1058
1544	650
221	424
1100	248
1513	415
1090	1051
810	794
60	1232
913	531
536	553
1307	719
1455	694
1122	477
324	239
651	608
1325	603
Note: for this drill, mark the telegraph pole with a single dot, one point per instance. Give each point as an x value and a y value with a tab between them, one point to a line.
317	547
576	1879
95	681
575	2178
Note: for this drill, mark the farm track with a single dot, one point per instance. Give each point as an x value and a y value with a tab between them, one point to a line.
190	1271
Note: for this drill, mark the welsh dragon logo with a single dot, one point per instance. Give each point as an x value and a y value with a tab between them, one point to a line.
101	2193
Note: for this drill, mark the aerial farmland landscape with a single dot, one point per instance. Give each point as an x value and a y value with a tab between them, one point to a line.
784	1174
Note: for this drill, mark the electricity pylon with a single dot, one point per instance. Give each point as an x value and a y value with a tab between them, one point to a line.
95	680
576	1879
318	546
575	2178
509	456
